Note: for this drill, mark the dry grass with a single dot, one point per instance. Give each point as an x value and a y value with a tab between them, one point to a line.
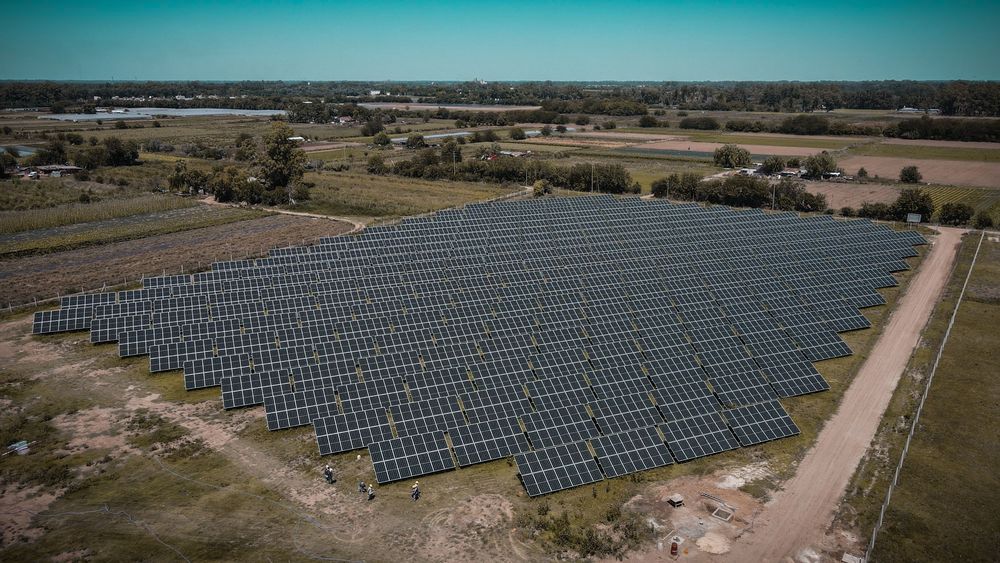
18	221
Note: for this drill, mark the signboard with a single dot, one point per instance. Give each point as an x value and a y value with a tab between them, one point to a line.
913	217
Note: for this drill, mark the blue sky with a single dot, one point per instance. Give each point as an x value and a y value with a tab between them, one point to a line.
505	40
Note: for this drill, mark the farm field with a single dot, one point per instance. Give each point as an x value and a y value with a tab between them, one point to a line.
922	151
953	172
360	194
59	273
69	236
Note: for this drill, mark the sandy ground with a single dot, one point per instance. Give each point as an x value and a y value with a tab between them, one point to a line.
710	147
44	276
930	143
949	172
792	525
853	195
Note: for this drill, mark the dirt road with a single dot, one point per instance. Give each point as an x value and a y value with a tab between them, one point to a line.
799	514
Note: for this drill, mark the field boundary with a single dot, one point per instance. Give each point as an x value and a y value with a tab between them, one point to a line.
923	398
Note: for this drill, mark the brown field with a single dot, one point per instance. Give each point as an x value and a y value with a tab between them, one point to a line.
952	172
316	147
949	144
853	195
710	147
42	277
577	142
419	106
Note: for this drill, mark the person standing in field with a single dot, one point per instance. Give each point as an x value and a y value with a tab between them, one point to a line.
328	473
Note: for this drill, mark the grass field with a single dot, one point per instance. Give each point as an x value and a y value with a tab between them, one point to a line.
923	152
928	520
144	223
361	194
17	221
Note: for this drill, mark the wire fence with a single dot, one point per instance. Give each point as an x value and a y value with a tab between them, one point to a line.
920	406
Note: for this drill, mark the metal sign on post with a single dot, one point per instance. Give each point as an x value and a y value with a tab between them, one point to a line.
913	217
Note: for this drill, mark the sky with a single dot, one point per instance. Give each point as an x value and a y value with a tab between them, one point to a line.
501	41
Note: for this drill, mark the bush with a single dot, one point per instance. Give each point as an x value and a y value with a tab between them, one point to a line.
862	173
731	156
807	124
677	186
983	220
912	200
704	123
376	165
648	121
415	141
382	139
582	120
847	211
819	164
955	213
609	125
910	175
517	134
874	211
772	165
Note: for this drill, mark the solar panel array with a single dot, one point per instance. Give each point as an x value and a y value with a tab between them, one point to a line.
587	337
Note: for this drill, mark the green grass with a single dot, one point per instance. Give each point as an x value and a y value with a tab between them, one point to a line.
924	152
944	506
117	230
360	194
18	221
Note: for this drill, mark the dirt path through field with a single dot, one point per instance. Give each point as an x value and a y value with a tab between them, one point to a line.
800	513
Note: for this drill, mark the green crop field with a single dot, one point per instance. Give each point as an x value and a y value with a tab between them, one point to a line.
17	221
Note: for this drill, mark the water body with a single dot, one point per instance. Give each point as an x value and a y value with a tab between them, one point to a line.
21	149
150	113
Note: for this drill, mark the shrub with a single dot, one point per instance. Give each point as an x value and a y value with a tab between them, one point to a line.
704	123
983	220
847	211
819	164
772	165
910	175
648	121
731	156
955	213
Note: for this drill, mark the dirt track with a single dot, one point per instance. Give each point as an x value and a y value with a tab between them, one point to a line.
799	514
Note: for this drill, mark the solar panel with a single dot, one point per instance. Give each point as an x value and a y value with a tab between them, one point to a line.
351	430
646	311
631	451
698	436
554	469
763	422
410	456
487	441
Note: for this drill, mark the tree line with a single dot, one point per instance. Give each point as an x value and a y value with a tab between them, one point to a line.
959	98
740	191
487	165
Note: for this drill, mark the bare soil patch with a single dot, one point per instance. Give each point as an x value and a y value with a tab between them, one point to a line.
696	146
416	106
18	506
41	277
853	195
577	142
948	172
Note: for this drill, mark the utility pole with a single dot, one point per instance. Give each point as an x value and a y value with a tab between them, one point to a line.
772	196
591	177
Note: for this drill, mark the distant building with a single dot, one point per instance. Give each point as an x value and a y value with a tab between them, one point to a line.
297	139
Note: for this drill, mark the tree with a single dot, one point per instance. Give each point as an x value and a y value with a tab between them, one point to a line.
246	147
517	134
227	183
546	131
560	129
382	139
772	165
955	213
582	120
451	152
415	141
120	153
820	164
847	211
983	220
648	121
912	200
874	210
677	186
731	156
910	175
706	123
862	173
542	187
7	162
281	164
371	127
610	125
376	165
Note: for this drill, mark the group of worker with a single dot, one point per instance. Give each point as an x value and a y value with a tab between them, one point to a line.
369	489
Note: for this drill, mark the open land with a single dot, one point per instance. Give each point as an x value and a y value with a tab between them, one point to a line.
114	444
